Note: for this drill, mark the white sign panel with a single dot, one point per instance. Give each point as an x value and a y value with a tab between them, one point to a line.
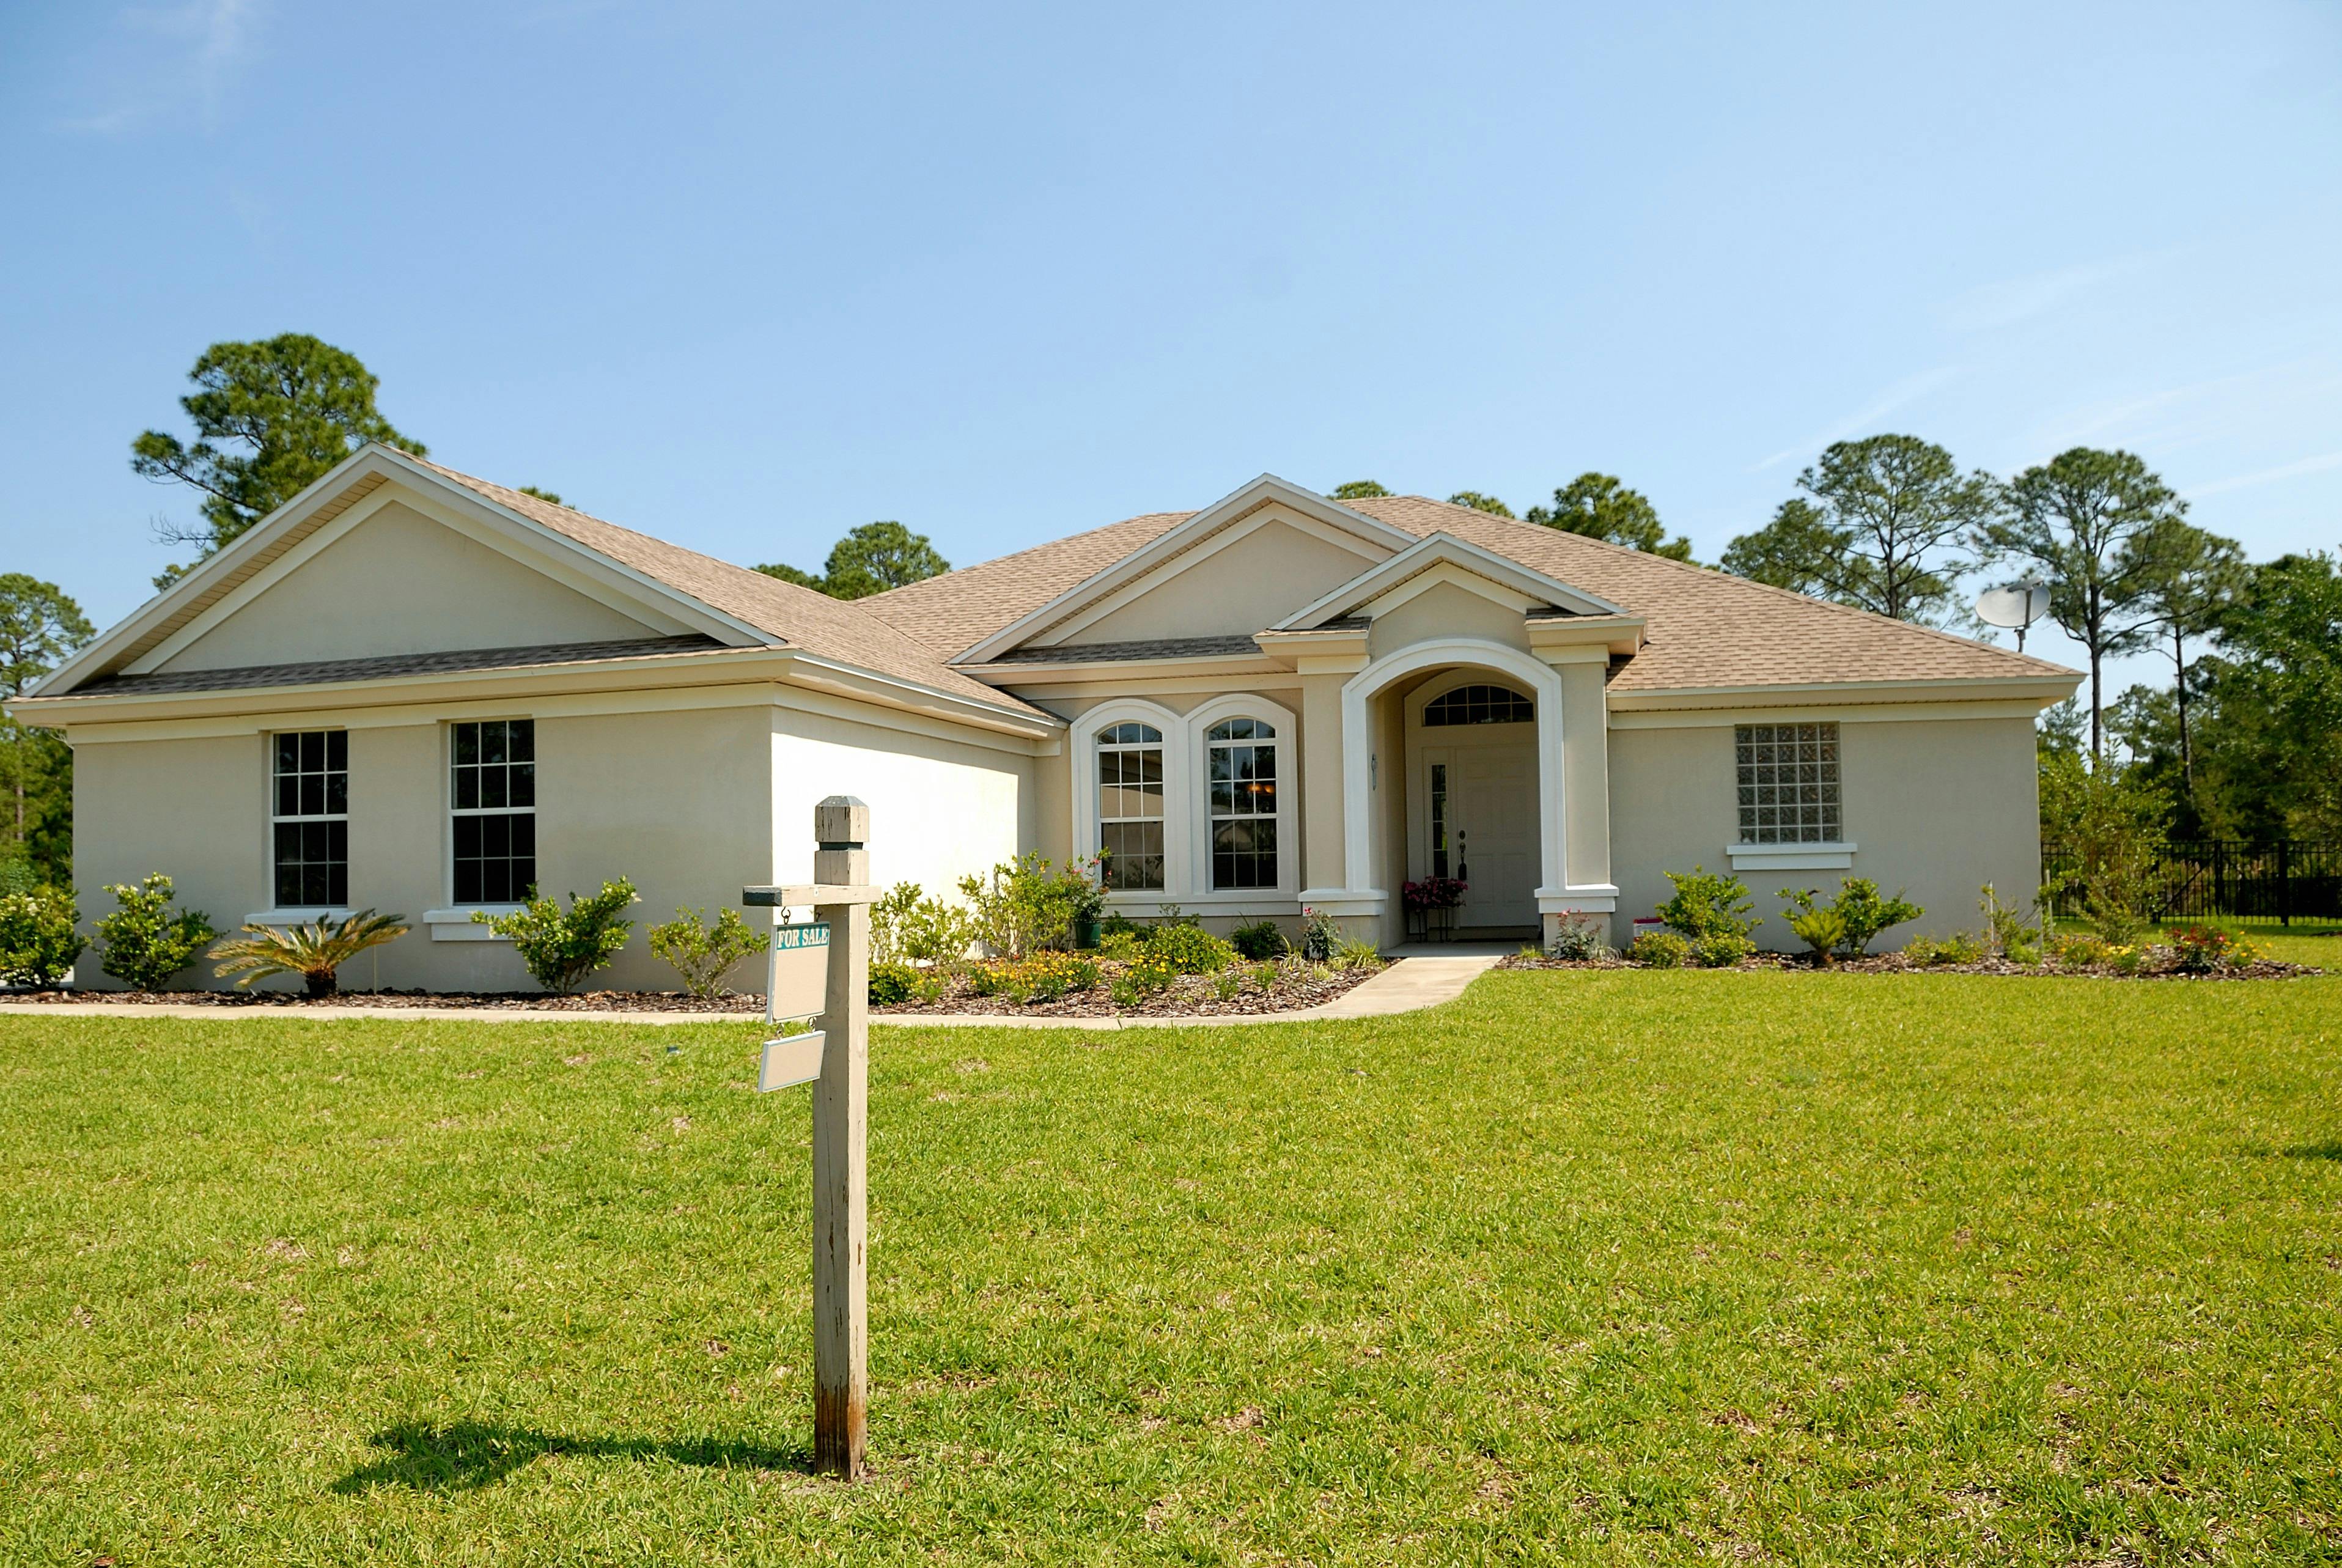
792	1059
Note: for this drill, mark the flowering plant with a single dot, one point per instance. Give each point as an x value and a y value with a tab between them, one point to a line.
1434	893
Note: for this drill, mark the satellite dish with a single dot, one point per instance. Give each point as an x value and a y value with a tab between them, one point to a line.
2014	605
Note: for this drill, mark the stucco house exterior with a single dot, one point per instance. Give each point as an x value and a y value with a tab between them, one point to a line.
416	691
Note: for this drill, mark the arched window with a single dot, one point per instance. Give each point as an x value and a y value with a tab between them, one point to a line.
1130	805
1478	705
1241	757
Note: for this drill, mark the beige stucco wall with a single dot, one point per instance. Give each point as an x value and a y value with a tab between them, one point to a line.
1938	808
194	810
1441	612
398	583
1254	582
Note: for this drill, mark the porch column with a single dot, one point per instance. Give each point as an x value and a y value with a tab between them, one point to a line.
1586	885
1322	834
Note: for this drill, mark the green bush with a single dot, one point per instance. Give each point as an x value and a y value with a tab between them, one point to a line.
1579	938
1823	930
1959	947
2082	952
1720	950
1355	952
560	949
38	939
1659	950
1024	905
1150	973
1048	976
144	943
1188	950
1708	904
1861	914
2200	949
700	952
2006	933
1261	939
891	982
887	918
1124	944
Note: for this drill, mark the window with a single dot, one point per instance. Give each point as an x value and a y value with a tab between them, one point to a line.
1243	772
1478	705
1439	819
311	819
1130	805
1789	784
493	796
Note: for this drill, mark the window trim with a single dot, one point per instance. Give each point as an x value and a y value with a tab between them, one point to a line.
1835	739
1199	723
278	912
453	921
1156	741
1176	786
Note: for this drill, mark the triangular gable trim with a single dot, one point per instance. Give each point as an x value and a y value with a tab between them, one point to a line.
1444	549
337	490
1229	508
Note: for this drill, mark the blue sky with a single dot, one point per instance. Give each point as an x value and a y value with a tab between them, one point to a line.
745	276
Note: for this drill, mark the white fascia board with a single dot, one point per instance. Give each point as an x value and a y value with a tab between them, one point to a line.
1260	492
1436	549
2044	689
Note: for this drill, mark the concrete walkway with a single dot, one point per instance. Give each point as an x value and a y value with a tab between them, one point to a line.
1429	976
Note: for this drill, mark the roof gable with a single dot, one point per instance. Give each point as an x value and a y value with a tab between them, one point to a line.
1442	556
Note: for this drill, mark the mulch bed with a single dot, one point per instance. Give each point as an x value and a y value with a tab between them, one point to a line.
534	1000
1188	997
1897	964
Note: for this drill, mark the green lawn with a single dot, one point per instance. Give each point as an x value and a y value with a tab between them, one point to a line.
1600	1267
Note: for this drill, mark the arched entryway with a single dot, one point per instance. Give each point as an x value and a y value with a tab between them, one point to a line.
1471	759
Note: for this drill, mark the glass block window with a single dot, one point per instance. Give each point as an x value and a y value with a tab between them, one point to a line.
310	819
1130	805
1242	754
1478	705
493	796
1789	784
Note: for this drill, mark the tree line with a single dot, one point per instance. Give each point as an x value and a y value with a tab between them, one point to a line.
2245	742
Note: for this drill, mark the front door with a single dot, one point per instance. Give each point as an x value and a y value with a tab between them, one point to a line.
1482	823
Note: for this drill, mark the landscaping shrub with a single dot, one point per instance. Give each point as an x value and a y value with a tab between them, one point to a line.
2081	952
1659	950
1150	973
2006	933
144	943
2200	949
1263	976
315	949
1721	950
887	918
1860	914
560	948
1821	929
1320	934
1188	949
1708	904
1226	984
1354	952
1261	939
701	953
935	932
1579	938
1959	947
1027	903
892	982
1124	944
1047	976
38	939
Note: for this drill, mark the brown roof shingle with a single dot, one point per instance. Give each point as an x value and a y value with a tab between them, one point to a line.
1704	627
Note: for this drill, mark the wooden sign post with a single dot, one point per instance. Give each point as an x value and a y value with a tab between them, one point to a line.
841	898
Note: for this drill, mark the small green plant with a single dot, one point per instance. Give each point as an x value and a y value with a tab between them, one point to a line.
1959	947
1150	973
701	953
39	938
1263	976
560	948
1226	984
1823	930
1261	939
1189	949
314	950
1706	903
1048	976
2113	907
1320	934
2126	960
1124	993
1860	910
2006	933
935	933
928	988
2081	952
1720	950
1578	938
1659	950
887	919
1123	945
146	941
891	982
1355	952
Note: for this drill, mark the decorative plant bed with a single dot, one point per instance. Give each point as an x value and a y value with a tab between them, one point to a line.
2155	964
1290	986
294	1001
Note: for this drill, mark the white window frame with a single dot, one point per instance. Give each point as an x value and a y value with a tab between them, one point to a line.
279	914
454	922
1176	786
1197	724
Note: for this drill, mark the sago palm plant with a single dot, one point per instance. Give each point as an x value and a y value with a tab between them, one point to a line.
313	950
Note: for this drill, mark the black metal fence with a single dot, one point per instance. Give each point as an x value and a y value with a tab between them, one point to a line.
2235	881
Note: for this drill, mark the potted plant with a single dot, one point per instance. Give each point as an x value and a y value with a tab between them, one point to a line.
1089	904
1431	907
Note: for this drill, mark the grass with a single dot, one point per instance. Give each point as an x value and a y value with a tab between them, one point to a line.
1595	1266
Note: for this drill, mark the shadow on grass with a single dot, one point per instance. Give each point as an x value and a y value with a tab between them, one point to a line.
469	1454
2330	1149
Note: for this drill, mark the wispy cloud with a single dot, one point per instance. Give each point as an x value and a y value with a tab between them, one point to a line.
202	47
2010	301
2317	464
1901	394
2268	397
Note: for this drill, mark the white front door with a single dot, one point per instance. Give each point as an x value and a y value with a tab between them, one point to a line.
1482	804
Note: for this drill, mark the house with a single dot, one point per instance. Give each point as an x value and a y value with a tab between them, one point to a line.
416	691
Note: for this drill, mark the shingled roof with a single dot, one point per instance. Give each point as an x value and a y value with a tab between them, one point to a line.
1704	628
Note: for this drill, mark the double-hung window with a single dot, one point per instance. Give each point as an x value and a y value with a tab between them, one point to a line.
1789	784
1242	755
1130	805
310	819
492	794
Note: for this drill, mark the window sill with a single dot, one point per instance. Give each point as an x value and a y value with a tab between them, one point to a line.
281	918
457	925
1790	856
